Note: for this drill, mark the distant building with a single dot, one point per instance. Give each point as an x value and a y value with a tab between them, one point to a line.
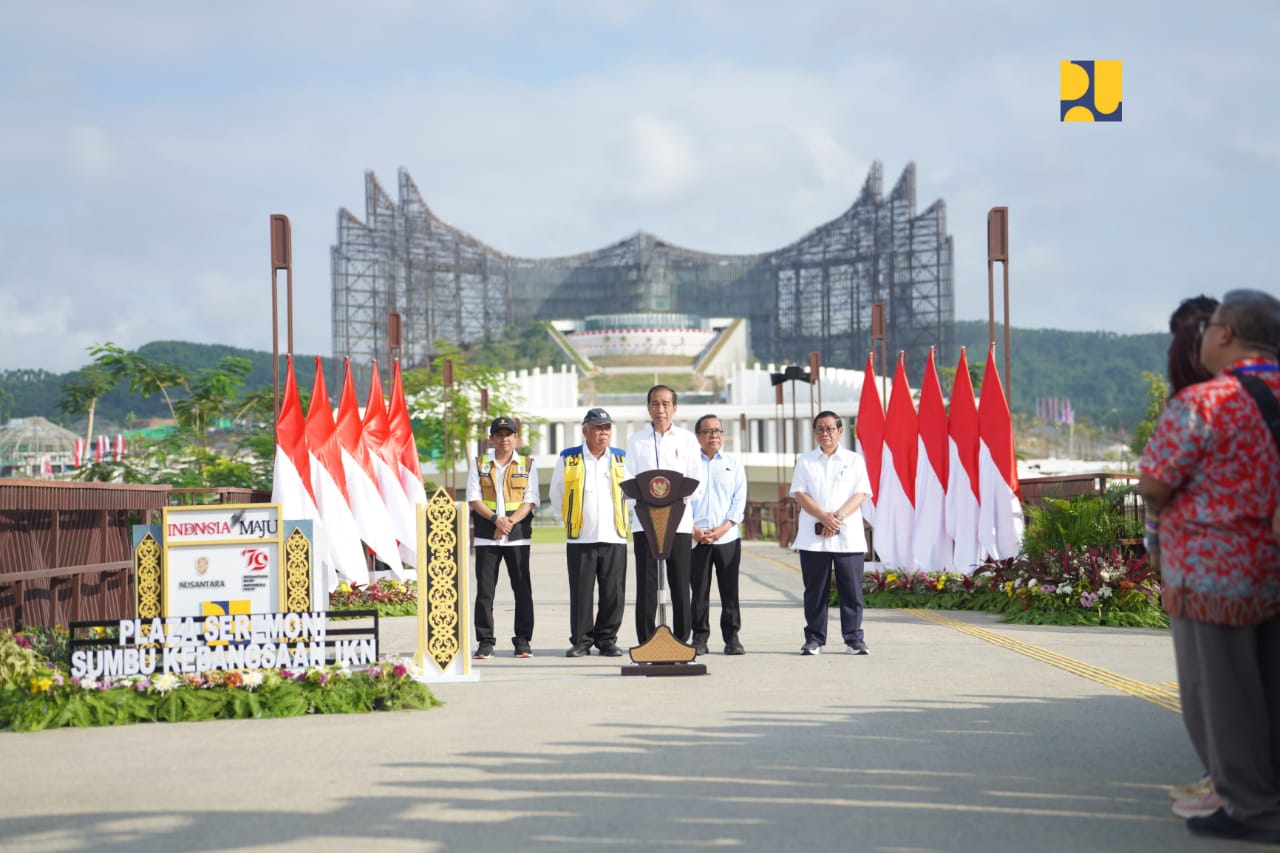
35	448
815	294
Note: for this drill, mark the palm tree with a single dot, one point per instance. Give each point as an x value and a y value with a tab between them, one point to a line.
81	393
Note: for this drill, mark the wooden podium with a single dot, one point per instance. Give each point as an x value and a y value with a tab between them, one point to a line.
659	497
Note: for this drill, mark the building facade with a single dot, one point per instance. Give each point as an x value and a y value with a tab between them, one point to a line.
814	294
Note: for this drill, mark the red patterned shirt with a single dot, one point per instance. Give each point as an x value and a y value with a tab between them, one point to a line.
1219	562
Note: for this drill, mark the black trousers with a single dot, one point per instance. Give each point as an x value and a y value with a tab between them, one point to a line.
592	563
815	568
677	585
724	560
516	557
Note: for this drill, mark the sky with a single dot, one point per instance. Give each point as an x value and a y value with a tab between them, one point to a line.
144	146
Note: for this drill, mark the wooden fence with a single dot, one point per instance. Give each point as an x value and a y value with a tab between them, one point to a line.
66	548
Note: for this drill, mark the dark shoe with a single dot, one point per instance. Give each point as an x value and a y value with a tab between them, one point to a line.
578	652
734	647
1222	825
610	650
523	650
700	647
857	647
484	651
811	648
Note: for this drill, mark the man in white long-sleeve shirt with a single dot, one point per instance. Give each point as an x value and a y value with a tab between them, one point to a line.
664	445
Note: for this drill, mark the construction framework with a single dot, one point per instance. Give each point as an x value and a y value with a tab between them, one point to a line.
814	294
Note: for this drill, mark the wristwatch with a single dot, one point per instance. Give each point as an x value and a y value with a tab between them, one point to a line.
494	518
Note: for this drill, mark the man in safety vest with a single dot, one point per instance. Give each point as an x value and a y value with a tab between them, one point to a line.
587	500
502	491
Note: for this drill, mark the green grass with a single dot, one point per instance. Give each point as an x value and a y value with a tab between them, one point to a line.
639	383
548	536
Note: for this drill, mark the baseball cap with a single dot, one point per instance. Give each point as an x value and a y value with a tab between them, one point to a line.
502	423
597	417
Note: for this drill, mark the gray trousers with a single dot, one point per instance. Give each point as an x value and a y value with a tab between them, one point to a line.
1229	679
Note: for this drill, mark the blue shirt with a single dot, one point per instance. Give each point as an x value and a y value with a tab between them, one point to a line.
723	496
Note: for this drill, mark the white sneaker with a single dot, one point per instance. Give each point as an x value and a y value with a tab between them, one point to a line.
857	647
811	648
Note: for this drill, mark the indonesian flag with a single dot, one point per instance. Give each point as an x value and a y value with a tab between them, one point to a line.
962	474
385	456
870	436
103	449
329	485
929	540
372	517
895	511
291	473
1000	521
119	447
407	448
78	456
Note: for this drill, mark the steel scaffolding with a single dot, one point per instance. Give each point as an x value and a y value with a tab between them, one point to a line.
815	294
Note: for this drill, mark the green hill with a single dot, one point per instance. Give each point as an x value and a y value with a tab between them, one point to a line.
1099	372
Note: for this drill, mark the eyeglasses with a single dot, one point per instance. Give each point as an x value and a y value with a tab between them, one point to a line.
826	430
1205	324
711	432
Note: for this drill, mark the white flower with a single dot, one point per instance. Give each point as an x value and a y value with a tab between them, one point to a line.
253	678
164	682
88	684
1105	592
1031	584
1065	589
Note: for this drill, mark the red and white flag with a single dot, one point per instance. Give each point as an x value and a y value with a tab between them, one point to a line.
930	542
119	453
78	453
962	472
870	436
407	448
291	473
1000	522
385	456
372	517
329	485
103	449
895	510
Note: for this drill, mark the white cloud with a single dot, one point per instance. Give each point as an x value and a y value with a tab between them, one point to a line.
143	150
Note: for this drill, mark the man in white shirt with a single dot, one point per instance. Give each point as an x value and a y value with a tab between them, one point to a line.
664	445
587	499
830	483
502	491
716	543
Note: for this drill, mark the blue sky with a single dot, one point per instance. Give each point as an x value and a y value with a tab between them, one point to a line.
144	145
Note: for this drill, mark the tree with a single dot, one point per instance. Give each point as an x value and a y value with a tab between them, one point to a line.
1157	393
81	393
221	438
146	377
446	421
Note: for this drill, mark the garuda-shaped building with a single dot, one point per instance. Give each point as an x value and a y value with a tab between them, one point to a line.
815	294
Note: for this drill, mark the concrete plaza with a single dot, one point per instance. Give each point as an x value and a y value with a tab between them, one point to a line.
956	733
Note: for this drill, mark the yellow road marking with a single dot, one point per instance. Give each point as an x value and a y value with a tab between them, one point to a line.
1148	692
1166	695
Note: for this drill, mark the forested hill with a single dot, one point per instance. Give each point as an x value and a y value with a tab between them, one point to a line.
36	392
1099	372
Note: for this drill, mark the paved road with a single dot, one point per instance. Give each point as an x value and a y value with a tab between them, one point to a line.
956	733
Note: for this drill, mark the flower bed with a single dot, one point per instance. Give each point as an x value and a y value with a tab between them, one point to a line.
1061	588
36	693
388	596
